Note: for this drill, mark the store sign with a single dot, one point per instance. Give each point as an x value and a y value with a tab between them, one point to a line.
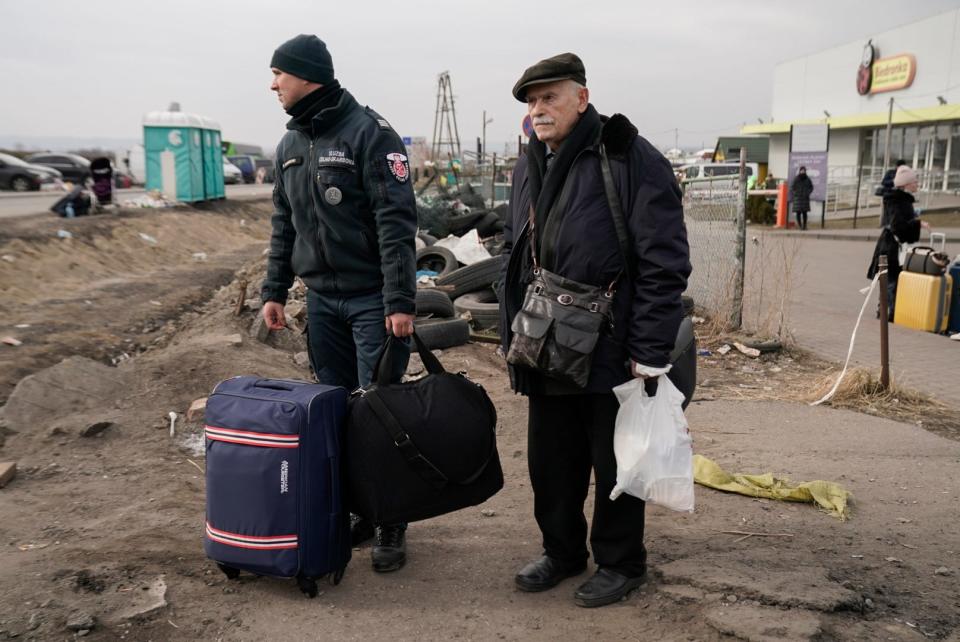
896	72
863	71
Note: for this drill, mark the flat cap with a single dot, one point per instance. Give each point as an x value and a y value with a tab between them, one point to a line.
565	66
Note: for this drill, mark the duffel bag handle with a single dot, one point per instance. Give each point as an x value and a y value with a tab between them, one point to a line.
381	372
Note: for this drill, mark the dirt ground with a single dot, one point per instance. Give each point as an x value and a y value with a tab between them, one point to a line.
101	536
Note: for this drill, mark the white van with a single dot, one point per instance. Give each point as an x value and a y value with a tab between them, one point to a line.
696	177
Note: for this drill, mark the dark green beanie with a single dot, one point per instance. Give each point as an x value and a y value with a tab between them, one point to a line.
305	57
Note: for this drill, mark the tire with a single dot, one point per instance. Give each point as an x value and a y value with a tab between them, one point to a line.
489	225
428	239
483	308
21	184
435	303
479	276
444	333
437	259
460	224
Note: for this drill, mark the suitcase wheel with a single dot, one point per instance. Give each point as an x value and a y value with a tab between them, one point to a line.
229	571
308	586
336	576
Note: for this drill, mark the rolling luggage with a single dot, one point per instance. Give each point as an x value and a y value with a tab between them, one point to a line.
923	301
273	480
953	323
420	449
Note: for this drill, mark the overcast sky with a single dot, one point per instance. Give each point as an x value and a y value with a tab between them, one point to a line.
93	69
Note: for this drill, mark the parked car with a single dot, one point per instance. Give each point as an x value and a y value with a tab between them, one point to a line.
74	168
231	173
21	176
246	165
723	177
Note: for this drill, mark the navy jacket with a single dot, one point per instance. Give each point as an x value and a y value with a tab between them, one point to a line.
584	247
346	216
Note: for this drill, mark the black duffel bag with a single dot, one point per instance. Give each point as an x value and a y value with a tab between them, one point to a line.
420	449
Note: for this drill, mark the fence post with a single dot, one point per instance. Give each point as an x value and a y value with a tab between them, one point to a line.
736	319
884	339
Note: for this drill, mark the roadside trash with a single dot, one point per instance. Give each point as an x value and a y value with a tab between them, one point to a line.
466	248
698	320
724	349
21	326
32	547
770	345
149	239
152	199
173	420
155	302
955	337
704	353
652	445
64	234
9	258
197	409
753	353
199	256
829	496
10	341
426	274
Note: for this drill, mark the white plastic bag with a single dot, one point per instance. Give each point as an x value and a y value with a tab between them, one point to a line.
653	446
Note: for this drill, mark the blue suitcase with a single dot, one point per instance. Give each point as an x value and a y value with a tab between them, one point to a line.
953	325
273	480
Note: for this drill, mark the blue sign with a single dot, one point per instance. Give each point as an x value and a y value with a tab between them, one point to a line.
527	126
407	140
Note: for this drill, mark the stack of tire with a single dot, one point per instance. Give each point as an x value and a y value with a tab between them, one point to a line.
442	313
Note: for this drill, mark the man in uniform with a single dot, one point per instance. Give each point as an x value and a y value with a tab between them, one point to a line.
570	429
345	223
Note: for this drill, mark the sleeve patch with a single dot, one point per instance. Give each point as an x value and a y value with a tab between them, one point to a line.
399	166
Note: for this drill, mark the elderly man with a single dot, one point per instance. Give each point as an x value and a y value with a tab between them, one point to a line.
629	240
345	223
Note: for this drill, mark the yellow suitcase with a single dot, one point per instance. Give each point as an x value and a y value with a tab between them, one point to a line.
923	301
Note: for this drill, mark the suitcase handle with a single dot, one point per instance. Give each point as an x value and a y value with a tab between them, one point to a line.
941	237
273	384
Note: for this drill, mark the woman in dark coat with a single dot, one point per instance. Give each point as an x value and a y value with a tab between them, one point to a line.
800	193
904	227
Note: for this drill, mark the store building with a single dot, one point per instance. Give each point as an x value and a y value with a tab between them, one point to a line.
849	87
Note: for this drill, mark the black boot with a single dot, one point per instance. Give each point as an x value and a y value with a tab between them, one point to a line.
545	573
361	530
605	587
390	549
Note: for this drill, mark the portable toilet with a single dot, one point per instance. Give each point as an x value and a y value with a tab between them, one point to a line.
183	157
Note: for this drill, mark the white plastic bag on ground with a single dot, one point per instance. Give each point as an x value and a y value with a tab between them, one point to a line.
466	248
653	446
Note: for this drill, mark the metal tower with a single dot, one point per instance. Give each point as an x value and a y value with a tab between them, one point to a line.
446	137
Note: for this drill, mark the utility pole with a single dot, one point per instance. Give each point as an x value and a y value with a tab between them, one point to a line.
493	182
445	132
483	151
676	138
886	147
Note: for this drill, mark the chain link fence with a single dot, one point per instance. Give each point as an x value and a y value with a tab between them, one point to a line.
716	227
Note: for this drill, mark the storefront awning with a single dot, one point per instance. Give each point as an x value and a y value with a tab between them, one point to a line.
876	119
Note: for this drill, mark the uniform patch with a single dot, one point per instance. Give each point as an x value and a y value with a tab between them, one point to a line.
336	158
399	166
383	123
333	195
296	160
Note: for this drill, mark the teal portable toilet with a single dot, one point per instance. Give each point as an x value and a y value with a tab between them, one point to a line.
183	157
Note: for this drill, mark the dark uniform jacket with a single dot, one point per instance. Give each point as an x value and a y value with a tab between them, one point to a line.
579	242
346	215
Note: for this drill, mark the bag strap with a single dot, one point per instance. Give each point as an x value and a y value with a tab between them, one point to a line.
619	221
423	466
430	473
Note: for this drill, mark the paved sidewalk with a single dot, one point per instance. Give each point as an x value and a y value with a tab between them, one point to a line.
825	301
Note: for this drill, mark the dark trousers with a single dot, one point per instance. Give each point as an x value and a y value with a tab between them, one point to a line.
568	436
802	220
345	336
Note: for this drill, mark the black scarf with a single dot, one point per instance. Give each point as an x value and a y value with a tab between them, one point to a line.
304	111
546	186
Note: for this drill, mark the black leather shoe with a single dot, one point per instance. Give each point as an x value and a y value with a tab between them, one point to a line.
361	530
605	587
545	573
390	549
